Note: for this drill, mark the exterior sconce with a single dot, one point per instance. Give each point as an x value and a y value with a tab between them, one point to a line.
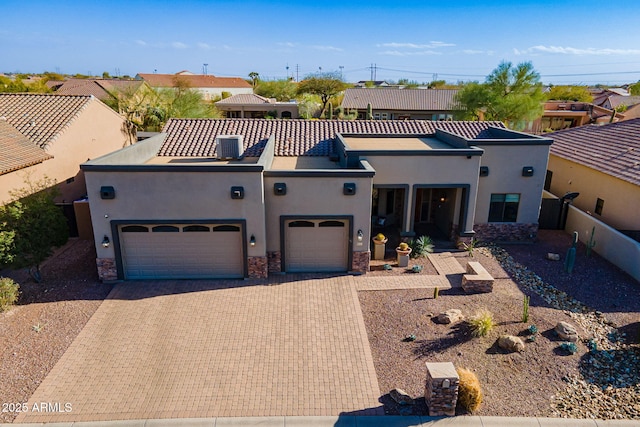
443	198
527	171
237	192
252	240
360	235
105	242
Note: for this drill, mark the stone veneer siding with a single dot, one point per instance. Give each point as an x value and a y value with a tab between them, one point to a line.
275	262
258	267
360	262
506	232
441	389
107	271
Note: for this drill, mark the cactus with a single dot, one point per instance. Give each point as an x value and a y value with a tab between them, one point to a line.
525	309
369	112
436	291
330	113
592	242
570	259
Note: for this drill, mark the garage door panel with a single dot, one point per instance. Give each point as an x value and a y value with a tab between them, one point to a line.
316	245
181	251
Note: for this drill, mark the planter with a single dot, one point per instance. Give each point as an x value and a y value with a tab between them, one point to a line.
379	248
403	257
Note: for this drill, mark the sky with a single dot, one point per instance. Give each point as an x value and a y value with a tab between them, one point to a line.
568	42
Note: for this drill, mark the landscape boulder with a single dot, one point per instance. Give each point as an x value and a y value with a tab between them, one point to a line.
566	332
450	316
553	257
510	343
401	397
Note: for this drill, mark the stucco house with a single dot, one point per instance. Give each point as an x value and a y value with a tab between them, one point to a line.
103	89
602	163
209	85
558	115
51	135
257	107
402	104
213	198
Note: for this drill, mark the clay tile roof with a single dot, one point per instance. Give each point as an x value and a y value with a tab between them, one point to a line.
613	149
100	88
194	80
17	151
41	117
245	99
196	137
400	99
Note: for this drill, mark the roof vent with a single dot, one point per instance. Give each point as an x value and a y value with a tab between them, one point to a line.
229	147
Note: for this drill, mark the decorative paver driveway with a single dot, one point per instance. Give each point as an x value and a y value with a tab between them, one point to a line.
169	349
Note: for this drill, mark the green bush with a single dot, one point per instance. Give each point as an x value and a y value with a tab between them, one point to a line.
482	323
9	291
421	246
469	390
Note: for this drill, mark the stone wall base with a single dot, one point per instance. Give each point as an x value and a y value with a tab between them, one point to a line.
107	271
506	232
441	389
258	267
275	264
360	262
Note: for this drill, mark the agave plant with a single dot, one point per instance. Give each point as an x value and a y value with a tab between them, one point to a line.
421	246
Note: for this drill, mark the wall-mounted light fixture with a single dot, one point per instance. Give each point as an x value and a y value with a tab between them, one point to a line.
360	235
106	242
252	240
443	198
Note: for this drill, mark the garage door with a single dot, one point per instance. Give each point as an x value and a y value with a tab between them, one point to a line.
316	245
181	251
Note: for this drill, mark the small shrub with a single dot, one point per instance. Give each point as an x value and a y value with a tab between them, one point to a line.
469	247
403	246
482	323
533	329
416	268
421	246
569	347
9	291
469	390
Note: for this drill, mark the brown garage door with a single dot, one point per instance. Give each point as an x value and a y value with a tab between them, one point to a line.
316	245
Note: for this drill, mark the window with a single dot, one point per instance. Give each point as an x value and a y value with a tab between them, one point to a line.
599	206
504	207
376	116
384	116
547	181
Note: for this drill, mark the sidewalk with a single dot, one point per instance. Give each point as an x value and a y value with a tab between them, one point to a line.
350	421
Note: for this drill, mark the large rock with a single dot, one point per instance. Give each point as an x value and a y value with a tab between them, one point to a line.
401	397
450	316
510	343
566	332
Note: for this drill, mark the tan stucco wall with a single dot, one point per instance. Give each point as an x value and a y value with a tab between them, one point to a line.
505	164
318	196
621	198
428	170
97	131
209	93
176	196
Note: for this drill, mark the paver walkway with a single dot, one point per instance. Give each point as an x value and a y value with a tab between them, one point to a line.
187	349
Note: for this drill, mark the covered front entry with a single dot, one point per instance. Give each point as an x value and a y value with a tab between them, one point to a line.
316	245
181	251
438	210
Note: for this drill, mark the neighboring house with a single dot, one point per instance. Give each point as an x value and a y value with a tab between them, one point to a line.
257	107
602	163
402	104
232	198
104	89
50	135
559	115
210	86
369	83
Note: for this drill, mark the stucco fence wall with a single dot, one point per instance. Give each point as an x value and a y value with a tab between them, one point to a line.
610	243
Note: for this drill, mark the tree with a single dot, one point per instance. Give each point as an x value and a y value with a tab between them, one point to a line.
31	226
282	90
255	78
509	94
325	85
569	93
634	89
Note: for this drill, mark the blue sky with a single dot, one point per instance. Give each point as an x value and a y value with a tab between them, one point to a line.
568	41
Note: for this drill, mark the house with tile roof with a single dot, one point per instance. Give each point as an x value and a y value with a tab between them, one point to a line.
103	89
254	106
51	135
602	163
233	198
209	85
402	104
558	115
